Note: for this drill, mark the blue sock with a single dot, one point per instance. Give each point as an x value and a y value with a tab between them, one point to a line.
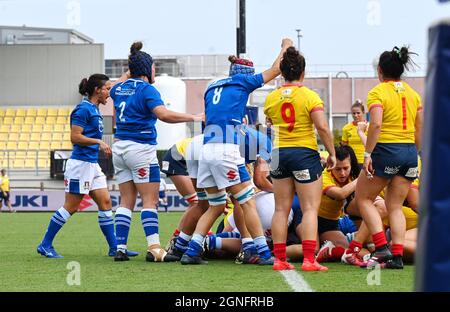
214	242
195	245
248	245
229	235
262	248
182	242
57	221
149	219
122	222
106	223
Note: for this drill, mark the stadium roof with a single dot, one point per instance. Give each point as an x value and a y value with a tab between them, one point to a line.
73	31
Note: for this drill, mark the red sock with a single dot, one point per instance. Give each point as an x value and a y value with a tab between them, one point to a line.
354	247
397	250
279	250
309	250
176	232
337	252
379	239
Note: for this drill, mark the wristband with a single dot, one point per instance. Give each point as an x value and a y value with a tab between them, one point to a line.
367	155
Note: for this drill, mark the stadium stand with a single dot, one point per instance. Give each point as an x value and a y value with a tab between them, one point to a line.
27	135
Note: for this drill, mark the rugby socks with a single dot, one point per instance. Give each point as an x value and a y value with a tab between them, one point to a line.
262	248
195	245
182	241
379	239
57	221
248	245
309	250
214	242
397	250
229	235
106	223
337	252
149	219
122	223
279	250
354	247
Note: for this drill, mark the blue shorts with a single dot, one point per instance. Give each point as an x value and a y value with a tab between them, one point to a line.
395	159
173	163
4	197
162	194
301	163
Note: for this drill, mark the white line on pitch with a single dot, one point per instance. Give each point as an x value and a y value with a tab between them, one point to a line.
296	281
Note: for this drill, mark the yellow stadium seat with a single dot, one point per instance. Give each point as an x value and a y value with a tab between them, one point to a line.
13	137
58	128
42	112
57	136
2	112
20	154
67	127
4	136
33	145
14	128
42	163
11	146
31	112
55	146
26	128
61	120
32	154
37	128
35	136
10	112
23	146
20	112
51	120
24	137
18	163
66	145
18	120
63	112
43	155
46	136
66	136
39	121
2	146
44	145
47	128
29	120
30	163
4	128
52	112
8	120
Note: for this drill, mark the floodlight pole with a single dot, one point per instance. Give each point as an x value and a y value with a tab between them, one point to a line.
240	28
298	38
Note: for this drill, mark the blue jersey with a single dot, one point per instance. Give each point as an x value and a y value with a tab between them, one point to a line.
225	102
134	101
87	116
254	144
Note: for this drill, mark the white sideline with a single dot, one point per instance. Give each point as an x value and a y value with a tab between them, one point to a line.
296	281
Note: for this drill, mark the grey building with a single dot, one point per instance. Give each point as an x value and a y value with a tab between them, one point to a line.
38	35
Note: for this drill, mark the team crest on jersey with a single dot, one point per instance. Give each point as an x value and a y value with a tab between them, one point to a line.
86	185
391	170
232	175
286	92
412	172
142	173
302	175
399	87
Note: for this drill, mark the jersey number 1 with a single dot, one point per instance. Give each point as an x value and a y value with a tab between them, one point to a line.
290	120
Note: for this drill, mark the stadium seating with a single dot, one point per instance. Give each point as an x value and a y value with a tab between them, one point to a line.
27	135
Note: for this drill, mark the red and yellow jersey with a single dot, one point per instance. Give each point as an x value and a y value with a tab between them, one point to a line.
330	209
4	183
411	218
400	104
350	136
182	145
290	107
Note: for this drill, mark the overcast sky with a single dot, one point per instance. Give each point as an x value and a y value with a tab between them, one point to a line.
334	32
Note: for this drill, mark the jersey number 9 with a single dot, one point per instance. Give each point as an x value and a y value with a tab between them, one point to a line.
288	118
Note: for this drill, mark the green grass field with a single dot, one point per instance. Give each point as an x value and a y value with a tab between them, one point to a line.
22	269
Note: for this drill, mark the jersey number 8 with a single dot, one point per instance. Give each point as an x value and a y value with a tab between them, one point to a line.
217	94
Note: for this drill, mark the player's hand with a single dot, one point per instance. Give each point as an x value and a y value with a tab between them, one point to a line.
286	43
331	162
368	168
199	117
105	148
362	126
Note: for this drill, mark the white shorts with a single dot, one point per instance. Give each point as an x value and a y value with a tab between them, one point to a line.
221	165
81	177
193	151
135	162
